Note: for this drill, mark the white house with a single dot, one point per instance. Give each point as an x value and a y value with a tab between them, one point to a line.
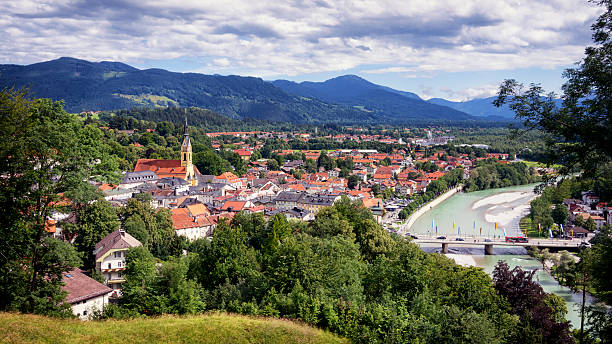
110	257
85	295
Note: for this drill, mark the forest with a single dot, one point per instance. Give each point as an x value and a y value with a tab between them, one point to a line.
489	174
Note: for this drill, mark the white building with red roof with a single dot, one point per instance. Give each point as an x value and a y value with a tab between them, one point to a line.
85	295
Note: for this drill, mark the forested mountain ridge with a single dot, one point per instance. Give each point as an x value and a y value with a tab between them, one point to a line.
88	85
85	85
351	90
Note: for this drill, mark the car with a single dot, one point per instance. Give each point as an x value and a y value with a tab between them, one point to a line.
413	236
459	239
441	237
488	240
585	244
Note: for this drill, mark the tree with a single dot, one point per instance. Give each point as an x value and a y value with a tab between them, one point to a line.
310	166
208	162
47	156
353	181
94	222
560	214
273	165
579	128
138	291
528	301
326	162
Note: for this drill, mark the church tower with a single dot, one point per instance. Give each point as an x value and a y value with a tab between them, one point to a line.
186	156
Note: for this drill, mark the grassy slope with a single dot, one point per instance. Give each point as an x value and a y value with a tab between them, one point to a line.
212	328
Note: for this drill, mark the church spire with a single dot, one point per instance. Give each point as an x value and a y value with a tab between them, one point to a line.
186	127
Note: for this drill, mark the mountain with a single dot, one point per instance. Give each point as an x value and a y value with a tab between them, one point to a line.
477	107
385	102
85	85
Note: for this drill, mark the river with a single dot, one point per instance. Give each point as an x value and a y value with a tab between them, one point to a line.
475	214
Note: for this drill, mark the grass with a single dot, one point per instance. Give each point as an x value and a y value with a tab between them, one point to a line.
214	328
532	230
148	99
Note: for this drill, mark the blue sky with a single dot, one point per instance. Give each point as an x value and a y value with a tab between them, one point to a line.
451	49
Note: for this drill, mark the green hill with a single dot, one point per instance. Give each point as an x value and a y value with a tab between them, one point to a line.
85	86
212	328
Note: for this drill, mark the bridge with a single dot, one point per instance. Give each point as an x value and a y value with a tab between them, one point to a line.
555	244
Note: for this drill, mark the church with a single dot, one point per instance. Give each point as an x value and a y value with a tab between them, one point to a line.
182	168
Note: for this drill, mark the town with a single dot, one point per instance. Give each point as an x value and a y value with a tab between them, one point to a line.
295	183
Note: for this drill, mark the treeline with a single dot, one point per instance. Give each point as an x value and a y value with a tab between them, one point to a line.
490	174
344	273
434	189
530	145
548	209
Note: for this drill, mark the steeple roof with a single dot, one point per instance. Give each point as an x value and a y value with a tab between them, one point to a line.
186	140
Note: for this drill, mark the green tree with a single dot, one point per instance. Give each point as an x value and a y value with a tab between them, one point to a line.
590	225
353	181
578	129
94	222
47	155
560	214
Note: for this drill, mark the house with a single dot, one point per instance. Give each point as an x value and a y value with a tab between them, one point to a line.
85	295
236	206
229	178
578	232
193	227
316	202
134	179
376	207
589	197
110	257
294	213
287	199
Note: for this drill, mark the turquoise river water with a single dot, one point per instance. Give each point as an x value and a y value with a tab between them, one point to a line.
474	215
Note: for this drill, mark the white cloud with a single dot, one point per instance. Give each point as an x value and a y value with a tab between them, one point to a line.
483	91
292	38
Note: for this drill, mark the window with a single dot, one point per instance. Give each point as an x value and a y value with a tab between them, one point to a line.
119	275
109	265
119	264
117	254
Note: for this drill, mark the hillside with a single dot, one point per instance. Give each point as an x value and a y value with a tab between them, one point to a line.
88	85
384	102
85	85
213	328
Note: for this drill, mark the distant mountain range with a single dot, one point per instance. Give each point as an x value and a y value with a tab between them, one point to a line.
85	85
351	90
482	107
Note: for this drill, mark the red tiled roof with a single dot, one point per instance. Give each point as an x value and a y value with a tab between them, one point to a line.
81	287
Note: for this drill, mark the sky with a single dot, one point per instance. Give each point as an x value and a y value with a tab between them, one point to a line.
452	49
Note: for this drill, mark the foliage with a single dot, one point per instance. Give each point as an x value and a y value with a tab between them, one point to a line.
491	174
532	305
578	129
48	157
153	228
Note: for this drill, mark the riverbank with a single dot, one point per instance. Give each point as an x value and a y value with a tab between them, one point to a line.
428	206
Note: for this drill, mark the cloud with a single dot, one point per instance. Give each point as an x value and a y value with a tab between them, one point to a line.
483	91
303	36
